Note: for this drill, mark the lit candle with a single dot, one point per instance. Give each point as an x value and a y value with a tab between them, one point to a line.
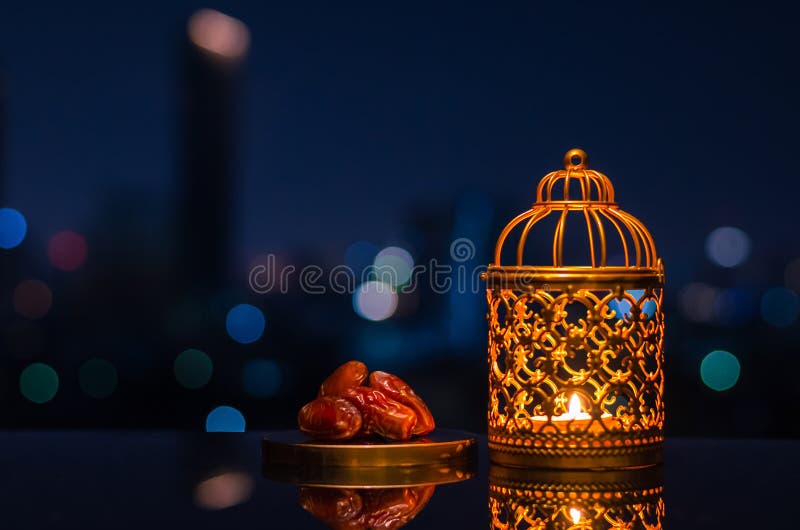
576	417
575	514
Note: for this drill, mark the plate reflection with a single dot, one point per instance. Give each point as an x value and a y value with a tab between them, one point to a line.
575	500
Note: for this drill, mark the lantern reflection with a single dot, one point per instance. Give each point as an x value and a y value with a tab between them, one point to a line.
572	500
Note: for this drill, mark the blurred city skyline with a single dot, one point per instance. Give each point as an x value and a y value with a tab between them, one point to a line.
152	177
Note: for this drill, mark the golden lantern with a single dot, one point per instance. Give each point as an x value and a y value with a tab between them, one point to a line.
575	500
576	349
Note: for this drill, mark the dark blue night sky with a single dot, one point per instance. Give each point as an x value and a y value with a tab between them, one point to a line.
354	115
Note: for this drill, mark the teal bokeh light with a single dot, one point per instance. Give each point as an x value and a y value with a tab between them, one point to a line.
38	383
98	378
720	370
261	378
780	307
193	369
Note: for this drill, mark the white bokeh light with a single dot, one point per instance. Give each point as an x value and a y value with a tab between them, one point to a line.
396	260
727	246
375	301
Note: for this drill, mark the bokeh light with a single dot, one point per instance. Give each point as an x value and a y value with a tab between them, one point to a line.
720	370
67	250
32	299
38	383
245	323
13	228
261	377
223	490
193	369
375	301
394	266
727	246
792	275
359	256
780	307
735	306
98	378
218	33
698	302
225	419
386	346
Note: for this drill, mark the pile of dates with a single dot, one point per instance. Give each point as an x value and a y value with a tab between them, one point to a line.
346	407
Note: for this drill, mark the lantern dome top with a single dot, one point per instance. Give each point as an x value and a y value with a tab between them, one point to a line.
580	201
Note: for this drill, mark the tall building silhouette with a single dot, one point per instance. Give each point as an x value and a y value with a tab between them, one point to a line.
213	55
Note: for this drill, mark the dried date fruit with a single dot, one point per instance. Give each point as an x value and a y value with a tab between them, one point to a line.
330	418
365	509
389	509
350	374
398	390
332	505
382	415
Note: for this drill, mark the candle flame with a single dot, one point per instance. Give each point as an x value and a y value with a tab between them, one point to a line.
574	406
575	514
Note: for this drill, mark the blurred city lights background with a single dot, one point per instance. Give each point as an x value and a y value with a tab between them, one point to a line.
152	157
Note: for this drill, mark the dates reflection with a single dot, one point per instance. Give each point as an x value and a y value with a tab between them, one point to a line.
365	508
575	500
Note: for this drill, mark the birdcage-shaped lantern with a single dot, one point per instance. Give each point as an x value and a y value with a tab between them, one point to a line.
576	340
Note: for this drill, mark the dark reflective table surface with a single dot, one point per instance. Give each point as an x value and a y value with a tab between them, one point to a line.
197	480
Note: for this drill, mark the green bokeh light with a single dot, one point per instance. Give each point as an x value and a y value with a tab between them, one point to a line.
98	378
393	265
720	370
38	383
193	369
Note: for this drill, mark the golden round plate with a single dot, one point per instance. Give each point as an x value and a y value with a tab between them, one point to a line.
441	457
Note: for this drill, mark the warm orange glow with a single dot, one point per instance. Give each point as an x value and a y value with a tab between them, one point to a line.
575	514
218	33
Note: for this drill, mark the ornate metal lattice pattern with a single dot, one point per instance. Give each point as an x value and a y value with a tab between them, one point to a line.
521	510
603	346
